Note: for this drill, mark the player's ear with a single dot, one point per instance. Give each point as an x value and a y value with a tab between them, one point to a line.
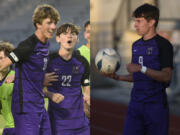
58	39
38	25
152	22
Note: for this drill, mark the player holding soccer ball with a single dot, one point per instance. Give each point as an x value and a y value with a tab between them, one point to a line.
150	70
68	117
31	57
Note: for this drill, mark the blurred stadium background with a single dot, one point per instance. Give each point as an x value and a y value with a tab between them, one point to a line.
16	20
112	26
16	17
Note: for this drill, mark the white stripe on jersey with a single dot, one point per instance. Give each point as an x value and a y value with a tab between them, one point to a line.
14	57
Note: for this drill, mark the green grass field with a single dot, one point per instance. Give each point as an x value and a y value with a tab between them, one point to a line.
2	120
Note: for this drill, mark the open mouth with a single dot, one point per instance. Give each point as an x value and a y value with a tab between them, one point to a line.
69	42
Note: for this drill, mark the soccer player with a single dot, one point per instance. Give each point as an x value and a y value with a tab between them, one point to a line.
31	57
67	117
85	51
150	70
6	90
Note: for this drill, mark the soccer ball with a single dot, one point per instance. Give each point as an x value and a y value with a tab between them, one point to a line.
107	60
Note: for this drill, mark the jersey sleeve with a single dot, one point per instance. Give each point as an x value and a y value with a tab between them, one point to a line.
165	54
85	81
22	52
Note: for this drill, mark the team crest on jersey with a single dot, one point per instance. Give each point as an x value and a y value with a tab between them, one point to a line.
149	51
75	69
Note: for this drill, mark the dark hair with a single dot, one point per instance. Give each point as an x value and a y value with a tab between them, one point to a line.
64	27
148	12
86	24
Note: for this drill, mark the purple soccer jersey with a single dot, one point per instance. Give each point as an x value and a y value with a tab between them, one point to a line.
148	107
68	114
8	131
31	57
155	53
35	123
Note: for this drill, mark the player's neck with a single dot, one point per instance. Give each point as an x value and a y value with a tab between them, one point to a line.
40	36
65	54
3	73
150	34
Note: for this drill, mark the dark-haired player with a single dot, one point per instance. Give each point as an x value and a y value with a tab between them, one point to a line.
150	70
68	117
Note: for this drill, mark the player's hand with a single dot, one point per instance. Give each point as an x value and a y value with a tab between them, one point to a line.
132	68
57	97
86	109
87	99
10	79
49	78
112	75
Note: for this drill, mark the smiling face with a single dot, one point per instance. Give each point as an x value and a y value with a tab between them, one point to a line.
67	39
47	28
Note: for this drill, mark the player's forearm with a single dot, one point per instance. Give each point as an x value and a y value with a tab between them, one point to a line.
55	97
87	94
162	76
86	91
127	78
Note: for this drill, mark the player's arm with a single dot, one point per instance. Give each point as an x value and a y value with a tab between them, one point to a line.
85	81
166	64
86	94
86	98
21	53
55	97
163	75
126	78
49	78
